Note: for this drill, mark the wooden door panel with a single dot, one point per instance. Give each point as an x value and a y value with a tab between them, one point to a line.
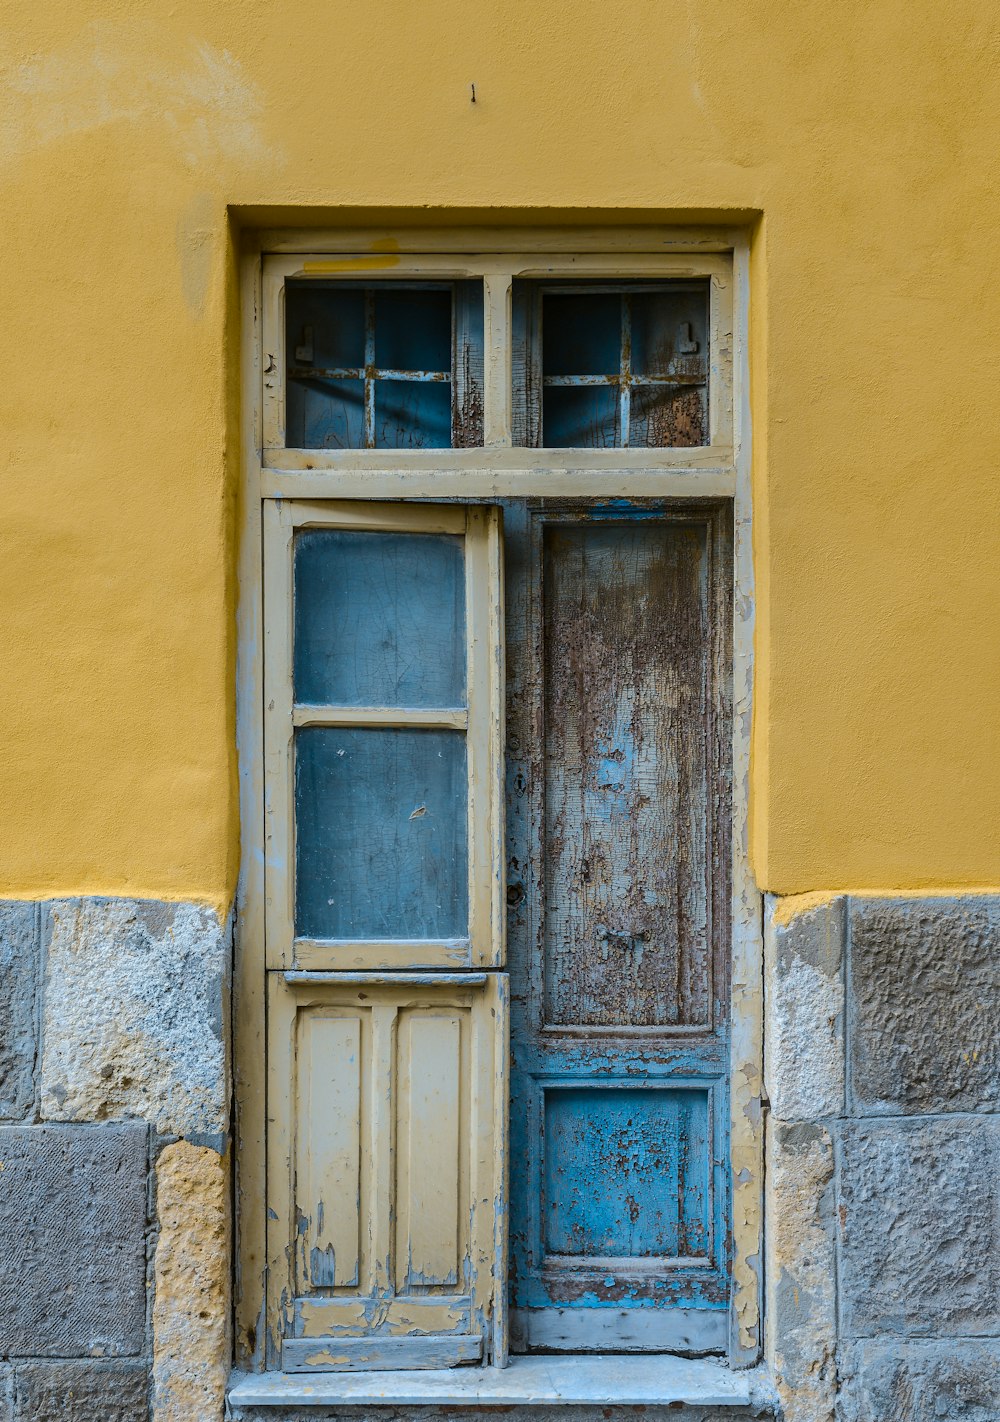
385	1161
431	1149
333	1093
625	1174
619	730
626	923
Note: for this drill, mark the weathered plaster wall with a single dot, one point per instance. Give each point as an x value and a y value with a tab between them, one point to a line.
114	1179
864	133
883	1183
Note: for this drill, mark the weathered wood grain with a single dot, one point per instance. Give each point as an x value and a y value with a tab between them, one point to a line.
356	1355
619	844
626	704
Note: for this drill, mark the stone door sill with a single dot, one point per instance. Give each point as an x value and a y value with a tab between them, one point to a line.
535	1380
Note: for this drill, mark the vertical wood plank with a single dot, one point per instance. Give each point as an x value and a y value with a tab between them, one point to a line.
328	1149
486	737
249	984
492	1186
468	361
381	1273
497	392
526	365
747	992
429	1134
720	344
278	734
628	696
273	368
281	1075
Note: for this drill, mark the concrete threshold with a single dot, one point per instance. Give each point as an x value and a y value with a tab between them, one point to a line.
534	1380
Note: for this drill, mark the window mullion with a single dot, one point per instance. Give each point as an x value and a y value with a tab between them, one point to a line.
625	370
497	389
369	426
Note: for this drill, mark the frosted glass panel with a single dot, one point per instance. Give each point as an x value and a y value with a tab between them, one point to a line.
581	417
379	618
411	414
582	335
413	330
326	414
381	833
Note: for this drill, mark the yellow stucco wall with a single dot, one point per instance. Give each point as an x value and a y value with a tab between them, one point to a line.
866	135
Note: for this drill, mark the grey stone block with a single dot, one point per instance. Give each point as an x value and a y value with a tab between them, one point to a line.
19	956
72	1240
82	1392
925	983
804	1041
920	1227
134	1006
957	1381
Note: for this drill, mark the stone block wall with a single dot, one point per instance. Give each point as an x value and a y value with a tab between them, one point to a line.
114	1173
882	1067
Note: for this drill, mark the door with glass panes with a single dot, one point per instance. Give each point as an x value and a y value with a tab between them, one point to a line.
420	876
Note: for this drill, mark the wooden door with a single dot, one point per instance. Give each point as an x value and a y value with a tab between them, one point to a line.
618	841
387	1024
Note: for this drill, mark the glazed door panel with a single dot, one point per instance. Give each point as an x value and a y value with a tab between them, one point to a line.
619	732
387	1024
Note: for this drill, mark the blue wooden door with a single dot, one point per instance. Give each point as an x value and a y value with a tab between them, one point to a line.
619	735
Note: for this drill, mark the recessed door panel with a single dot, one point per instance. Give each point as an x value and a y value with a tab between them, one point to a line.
332	1093
625	685
432	1144
626	1174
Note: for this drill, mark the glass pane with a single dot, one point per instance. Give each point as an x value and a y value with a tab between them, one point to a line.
670	333
379	618
341	340
413	330
562	336
381	833
412	414
581	335
668	415
325	326
581	417
325	414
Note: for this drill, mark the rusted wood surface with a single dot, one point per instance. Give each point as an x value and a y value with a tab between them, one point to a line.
626	701
303	1355
619	843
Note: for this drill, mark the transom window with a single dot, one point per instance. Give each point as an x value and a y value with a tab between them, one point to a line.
611	367
384	367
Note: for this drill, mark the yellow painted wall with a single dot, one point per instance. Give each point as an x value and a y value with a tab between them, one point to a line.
865	133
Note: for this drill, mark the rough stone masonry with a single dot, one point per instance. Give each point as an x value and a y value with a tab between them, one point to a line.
114	1169
883	1195
883	1169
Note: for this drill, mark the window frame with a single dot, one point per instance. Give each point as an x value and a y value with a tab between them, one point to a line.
273	473
481	721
